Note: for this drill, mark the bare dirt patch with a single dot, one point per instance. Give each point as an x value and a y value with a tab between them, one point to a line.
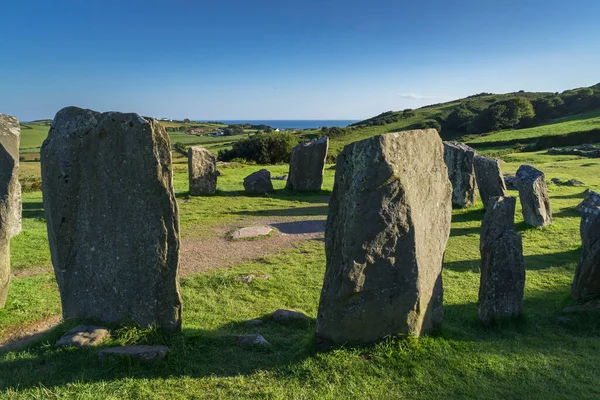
218	252
20	336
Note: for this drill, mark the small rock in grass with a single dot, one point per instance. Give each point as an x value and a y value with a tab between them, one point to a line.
245	278
283	315
252	340
280	178
265	277
574	182
83	336
140	353
556	181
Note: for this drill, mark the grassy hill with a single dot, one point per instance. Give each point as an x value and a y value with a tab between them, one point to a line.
586	122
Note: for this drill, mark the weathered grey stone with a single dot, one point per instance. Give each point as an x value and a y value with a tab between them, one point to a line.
254	322
386	233
280	178
250	232
586	282
258	182
10	196
140	353
283	315
112	217
251	340
459	160
502	267
307	165
590	202
510	181
533	194
83	336
202	171
489	178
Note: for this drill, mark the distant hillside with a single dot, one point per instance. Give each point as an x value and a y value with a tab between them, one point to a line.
487	112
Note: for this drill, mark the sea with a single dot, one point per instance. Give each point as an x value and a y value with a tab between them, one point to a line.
293	124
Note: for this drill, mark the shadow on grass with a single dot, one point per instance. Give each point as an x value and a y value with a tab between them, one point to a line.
474	214
464	231
33	209
566	213
198	353
579	195
193	353
287	212
562	259
321	196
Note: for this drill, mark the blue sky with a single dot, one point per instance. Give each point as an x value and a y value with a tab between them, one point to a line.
283	59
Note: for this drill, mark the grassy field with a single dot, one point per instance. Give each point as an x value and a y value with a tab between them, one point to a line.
577	123
536	357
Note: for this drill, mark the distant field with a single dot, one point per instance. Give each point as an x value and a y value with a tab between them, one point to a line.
576	123
34	134
32	137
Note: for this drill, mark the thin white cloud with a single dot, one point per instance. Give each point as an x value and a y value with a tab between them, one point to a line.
413	96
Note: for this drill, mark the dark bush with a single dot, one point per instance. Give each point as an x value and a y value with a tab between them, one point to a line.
261	148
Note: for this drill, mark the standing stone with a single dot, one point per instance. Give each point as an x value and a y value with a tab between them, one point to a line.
307	165
533	195
590	202
112	217
10	138
202	171
586	283
10	196
459	160
502	268
387	228
258	182
489	178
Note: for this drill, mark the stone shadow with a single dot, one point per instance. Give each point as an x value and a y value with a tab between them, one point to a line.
33	209
301	227
287	212
580	195
193	353
474	214
562	259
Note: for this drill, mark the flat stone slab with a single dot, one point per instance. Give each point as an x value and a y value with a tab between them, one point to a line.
140	353
251	232
252	340
83	336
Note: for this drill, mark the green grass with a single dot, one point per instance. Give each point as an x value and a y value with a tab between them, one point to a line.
32	137
535	357
577	123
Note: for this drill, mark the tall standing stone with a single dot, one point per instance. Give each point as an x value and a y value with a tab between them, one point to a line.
202	171
533	194
386	233
10	196
459	160
112	217
586	282
502	267
489	178
307	165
